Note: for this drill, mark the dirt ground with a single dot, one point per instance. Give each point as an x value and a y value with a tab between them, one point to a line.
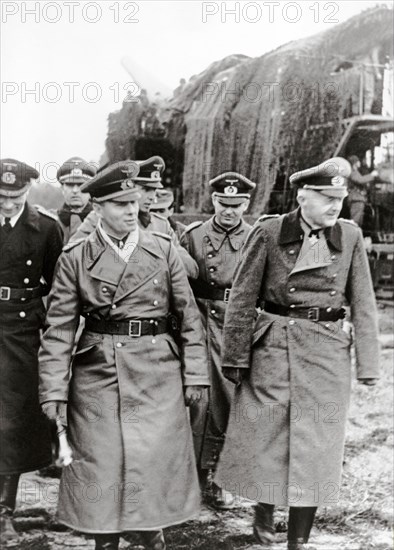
362	520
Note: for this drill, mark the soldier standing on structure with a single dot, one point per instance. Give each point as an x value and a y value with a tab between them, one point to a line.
127	421
216	246
71	175
30	243
285	439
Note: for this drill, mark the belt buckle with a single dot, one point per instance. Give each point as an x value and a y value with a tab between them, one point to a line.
313	314
226	296
5	293
131	330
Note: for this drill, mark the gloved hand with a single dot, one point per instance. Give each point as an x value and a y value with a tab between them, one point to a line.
193	394
53	409
233	374
368	381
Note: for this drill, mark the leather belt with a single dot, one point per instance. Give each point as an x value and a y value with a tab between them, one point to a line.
131	327
304	312
20	294
201	289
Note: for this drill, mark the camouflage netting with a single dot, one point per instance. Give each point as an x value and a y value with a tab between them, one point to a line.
264	117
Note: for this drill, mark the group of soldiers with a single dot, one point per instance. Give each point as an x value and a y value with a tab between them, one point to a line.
177	356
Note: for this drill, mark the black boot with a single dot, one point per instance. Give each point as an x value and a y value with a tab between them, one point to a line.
153	540
263	527
8	490
300	525
107	541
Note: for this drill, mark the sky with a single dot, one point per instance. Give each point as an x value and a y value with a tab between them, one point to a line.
61	61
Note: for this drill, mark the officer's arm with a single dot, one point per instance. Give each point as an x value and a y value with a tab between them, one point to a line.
193	348
241	309
361	180
58	340
363	313
54	245
88	225
189	263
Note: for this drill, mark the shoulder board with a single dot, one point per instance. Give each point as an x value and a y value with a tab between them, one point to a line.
72	244
163	235
348	221
192	226
44	212
267	217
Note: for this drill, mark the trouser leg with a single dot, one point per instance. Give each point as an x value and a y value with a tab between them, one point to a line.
8	491
153	540
300	525
263	527
357	212
107	541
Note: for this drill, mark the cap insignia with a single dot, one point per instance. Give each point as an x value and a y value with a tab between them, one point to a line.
230	190
8	177
77	172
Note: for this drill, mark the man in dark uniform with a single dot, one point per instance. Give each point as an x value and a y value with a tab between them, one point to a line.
148	182
216	246
292	364
30	243
138	453
71	175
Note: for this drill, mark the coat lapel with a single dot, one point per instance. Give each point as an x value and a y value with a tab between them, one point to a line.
142	266
101	260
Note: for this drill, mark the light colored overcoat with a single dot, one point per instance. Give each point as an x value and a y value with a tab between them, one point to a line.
286	432
133	465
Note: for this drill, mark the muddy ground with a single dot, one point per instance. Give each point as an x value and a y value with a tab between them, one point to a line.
361	520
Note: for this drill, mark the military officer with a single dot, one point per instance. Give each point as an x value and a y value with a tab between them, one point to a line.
216	247
30	243
163	204
148	181
292	367
127	420
71	175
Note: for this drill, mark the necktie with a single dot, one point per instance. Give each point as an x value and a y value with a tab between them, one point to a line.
7	227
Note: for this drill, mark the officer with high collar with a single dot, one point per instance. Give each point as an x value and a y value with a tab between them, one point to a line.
216	246
137	449
148	181
71	175
30	243
292	362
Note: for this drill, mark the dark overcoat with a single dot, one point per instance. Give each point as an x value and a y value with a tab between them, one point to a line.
286	431
28	255
134	466
217	253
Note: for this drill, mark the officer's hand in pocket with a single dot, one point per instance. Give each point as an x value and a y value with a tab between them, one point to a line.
53	409
193	394
232	374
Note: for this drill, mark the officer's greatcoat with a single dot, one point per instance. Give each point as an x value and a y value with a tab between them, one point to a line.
133	465
286	431
28	254
217	253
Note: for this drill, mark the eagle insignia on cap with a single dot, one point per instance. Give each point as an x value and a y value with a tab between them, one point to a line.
8	178
230	190
131	170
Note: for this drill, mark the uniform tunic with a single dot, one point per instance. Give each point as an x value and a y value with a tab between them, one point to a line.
217	253
285	438
28	253
69	220
133	465
151	222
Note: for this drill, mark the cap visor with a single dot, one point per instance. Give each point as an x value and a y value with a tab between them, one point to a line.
125	196
12	192
233	200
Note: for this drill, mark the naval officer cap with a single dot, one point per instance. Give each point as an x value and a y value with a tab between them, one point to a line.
114	182
75	171
15	177
150	172
329	178
231	188
164	198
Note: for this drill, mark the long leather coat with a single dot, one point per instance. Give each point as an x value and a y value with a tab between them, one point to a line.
133	465
286	431
28	257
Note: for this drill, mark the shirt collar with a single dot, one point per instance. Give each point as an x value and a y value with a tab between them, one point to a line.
14	219
129	246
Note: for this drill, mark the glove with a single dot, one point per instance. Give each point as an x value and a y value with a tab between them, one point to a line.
368	381
233	374
193	394
54	409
